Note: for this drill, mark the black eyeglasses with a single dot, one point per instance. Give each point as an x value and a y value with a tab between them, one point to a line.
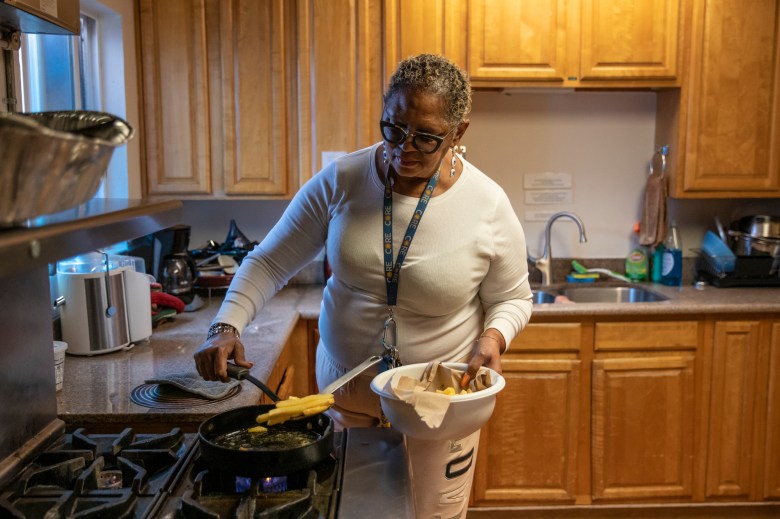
424	142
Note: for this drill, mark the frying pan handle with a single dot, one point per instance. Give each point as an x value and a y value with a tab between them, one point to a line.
236	372
239	373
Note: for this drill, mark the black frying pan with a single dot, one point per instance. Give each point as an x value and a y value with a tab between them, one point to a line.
258	461
218	432
288	447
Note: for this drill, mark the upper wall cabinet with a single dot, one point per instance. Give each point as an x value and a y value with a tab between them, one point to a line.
177	127
242	98
435	26
568	43
257	78
339	78
629	40
723	124
218	97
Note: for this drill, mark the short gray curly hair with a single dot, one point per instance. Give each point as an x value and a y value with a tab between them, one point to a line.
436	75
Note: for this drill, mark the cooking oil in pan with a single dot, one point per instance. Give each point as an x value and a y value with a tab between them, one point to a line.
274	439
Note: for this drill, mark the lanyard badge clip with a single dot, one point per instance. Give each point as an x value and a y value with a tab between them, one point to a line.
390	358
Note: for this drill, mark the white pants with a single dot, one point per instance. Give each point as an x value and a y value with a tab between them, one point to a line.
442	471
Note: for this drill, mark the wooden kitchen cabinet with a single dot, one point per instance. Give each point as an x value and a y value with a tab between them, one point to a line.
771	471
205	63
529	449
642	420
743	460
643	427
434	26
601	411
290	375
636	40
723	125
257	77
732	409
243	97
571	43
177	130
339	53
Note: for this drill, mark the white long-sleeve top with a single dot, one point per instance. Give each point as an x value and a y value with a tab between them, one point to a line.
466	269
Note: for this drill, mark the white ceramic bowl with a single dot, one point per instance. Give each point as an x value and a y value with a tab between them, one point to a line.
466	414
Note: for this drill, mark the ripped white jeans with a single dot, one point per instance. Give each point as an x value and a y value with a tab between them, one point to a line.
442	471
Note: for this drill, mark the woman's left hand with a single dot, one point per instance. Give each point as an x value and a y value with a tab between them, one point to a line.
487	352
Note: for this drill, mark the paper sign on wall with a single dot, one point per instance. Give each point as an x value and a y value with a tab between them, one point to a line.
549	196
547	180
538	215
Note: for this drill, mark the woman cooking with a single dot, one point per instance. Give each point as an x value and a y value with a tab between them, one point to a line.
413	233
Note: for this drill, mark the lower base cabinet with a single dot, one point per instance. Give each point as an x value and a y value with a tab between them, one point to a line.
627	412
771	472
528	451
642	428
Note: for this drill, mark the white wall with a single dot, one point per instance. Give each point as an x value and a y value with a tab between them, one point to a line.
603	139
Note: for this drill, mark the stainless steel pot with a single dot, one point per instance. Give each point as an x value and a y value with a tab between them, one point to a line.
760	226
756	235
744	244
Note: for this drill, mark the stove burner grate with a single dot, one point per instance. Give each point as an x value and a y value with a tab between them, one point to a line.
97	476
164	396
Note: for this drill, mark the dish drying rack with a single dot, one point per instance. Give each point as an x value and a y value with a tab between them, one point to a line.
749	271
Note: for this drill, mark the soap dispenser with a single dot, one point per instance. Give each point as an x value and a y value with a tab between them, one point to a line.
671	266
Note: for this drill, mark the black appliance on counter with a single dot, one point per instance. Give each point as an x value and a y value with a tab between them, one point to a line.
161	476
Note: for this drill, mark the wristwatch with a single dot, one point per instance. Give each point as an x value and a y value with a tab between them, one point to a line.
217	328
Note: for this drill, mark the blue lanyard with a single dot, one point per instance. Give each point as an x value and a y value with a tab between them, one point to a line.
392	272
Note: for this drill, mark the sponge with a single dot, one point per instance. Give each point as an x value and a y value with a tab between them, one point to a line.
576	277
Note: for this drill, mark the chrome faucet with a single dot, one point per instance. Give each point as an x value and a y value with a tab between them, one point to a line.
544	264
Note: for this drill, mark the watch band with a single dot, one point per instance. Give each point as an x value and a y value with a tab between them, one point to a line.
218	328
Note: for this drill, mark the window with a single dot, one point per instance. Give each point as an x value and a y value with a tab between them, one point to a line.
60	72
84	72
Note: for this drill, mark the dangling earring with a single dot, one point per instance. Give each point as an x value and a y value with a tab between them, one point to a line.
384	155
452	170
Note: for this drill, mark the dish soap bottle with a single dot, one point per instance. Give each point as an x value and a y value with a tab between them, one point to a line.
671	267
636	261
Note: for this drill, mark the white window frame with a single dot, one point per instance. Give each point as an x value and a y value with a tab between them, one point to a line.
109	54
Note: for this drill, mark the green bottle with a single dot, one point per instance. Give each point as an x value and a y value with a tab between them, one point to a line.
636	261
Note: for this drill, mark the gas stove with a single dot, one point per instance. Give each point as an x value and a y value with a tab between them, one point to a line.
97	475
161	476
202	490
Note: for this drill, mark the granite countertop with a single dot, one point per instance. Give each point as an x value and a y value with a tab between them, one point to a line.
682	300
97	389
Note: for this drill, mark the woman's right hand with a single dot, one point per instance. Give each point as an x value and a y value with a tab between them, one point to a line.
212	356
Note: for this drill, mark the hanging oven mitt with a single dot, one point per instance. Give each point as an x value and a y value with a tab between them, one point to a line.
430	395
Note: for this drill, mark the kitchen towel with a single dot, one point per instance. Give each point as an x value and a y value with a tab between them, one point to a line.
193	383
652	228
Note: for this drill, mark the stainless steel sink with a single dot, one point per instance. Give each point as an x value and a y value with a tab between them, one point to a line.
612	295
597	294
541	297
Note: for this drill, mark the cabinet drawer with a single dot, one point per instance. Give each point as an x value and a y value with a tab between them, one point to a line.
547	337
649	335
